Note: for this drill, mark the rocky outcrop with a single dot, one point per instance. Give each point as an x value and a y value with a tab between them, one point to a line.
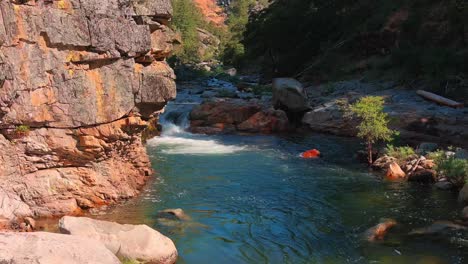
79	81
415	118
50	248
289	95
237	115
208	43
135	242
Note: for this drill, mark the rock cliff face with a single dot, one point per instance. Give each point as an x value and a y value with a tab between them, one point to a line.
79	82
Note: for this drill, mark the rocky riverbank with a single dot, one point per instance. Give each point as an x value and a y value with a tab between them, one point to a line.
84	240
80	81
319	108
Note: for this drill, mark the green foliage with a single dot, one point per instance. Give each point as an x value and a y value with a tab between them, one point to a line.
453	167
437	156
335	36
373	121
238	17
447	165
373	124
22	129
456	170
186	18
400	153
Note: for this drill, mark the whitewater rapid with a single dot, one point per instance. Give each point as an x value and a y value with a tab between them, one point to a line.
176	140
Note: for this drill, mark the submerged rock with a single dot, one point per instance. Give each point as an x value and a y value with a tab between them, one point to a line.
438	227
137	242
379	231
177	213
50	248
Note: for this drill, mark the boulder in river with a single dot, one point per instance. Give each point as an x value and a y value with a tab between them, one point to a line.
395	172
136	242
50	248
424	175
444	185
289	95
266	122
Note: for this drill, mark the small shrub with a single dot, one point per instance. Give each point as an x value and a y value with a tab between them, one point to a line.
456	170
373	124
400	153
437	156
22	130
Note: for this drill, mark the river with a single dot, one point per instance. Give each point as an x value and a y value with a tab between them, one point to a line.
252	199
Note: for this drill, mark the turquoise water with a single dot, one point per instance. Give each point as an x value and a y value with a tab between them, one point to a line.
252	199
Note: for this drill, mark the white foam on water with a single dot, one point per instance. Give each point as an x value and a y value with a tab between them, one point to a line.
175	140
181	145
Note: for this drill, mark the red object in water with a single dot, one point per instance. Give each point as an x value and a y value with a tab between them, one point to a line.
311	154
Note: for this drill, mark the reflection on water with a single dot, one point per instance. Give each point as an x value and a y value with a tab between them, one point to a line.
253	200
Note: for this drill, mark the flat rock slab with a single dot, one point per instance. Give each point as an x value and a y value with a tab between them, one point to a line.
136	242
50	248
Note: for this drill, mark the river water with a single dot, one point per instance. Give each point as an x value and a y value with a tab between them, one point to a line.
252	199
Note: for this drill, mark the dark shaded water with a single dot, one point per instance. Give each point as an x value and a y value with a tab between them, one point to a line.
252	199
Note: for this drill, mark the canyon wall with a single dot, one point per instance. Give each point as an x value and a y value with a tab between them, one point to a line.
80	80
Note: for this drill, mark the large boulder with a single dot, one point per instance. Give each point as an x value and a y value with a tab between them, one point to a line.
289	95
266	122
424	175
50	248
221	116
137	242
395	172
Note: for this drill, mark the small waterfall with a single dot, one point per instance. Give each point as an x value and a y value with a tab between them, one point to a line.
175	139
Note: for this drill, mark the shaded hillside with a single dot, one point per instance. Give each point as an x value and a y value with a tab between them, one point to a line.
329	40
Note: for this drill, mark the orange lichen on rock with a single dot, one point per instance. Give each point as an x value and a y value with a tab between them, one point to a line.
95	78
310	154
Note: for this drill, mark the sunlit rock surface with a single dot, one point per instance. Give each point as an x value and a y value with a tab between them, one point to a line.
78	82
